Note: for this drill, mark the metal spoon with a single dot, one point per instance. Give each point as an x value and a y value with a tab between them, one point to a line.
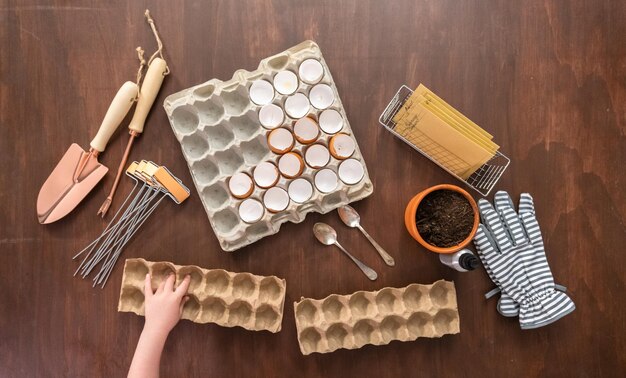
327	235
351	218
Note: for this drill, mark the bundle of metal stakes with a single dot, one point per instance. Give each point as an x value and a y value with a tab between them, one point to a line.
152	184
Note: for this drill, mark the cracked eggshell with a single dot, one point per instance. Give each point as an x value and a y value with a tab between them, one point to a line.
321	96
261	92
317	156
276	199
251	210
265	174
240	185
341	146
291	165
300	190
280	140
326	180
285	82
351	171
297	105
306	130
331	121
311	71
271	116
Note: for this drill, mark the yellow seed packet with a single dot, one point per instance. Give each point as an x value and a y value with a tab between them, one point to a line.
443	133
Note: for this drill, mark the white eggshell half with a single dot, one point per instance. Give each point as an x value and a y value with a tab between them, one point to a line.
317	156
351	171
342	146
261	92
276	199
290	165
306	130
321	96
285	82
331	121
300	190
271	116
265	174
297	105
251	210
240	185
280	140
326	180
311	71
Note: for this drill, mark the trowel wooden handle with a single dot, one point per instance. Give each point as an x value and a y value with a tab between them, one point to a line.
118	109
149	90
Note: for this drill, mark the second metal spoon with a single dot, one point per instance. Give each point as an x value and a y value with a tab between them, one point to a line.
327	236
351	218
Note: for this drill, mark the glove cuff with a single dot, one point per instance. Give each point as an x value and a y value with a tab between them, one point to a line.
507	306
497	290
544	309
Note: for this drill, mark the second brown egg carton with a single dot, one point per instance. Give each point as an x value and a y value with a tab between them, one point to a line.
376	317
215	295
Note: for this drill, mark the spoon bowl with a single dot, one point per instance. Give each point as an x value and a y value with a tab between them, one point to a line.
325	234
351	218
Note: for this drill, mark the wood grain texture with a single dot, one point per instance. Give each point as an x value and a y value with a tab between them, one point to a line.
547	78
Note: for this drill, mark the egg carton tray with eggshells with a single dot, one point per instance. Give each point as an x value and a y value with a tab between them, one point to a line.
215	295
269	146
376	317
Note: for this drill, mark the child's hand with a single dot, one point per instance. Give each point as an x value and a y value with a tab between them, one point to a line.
163	310
165	306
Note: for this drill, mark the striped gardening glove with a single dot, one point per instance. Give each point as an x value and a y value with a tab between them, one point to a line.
511	248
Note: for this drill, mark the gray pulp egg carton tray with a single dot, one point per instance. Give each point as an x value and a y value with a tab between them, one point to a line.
219	131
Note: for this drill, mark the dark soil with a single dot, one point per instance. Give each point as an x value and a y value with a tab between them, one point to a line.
444	218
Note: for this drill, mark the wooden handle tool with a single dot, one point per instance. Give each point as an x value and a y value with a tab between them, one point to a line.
149	90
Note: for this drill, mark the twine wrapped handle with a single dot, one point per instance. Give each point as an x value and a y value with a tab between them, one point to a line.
159	52
142	65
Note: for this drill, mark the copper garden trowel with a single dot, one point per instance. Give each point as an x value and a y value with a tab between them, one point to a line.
79	171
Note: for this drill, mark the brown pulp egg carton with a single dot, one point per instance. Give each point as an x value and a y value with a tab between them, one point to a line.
376	317
220	134
215	295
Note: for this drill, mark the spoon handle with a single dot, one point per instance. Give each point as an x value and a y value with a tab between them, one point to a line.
386	257
369	272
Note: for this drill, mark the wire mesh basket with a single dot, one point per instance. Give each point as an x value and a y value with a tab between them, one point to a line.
482	180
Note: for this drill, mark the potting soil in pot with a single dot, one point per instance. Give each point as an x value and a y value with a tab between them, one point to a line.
444	218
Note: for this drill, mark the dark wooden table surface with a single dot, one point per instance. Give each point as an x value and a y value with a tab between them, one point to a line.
547	78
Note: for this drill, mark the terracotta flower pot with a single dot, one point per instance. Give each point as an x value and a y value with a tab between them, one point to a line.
411	210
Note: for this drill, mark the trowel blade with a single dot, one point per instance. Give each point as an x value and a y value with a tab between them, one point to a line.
61	192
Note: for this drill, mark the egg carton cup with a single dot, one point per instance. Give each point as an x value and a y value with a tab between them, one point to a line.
220	134
215	295
376	317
